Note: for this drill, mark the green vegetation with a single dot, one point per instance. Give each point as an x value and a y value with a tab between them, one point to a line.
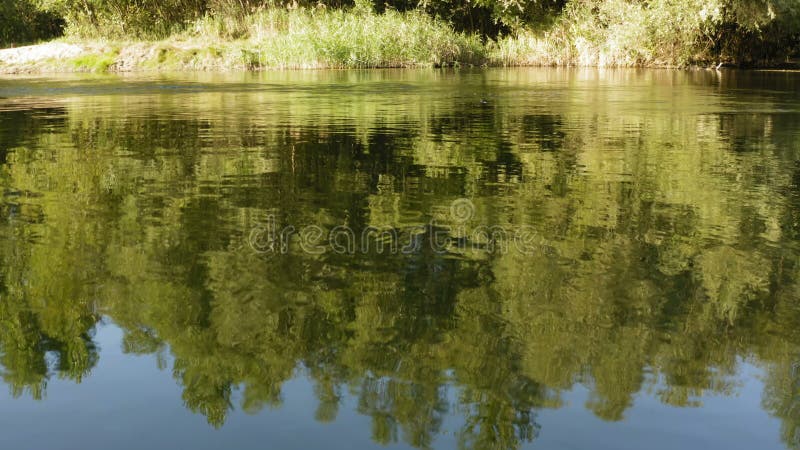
674	243
662	32
21	21
399	33
335	38
95	62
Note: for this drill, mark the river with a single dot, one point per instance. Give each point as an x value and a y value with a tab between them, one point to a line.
500	258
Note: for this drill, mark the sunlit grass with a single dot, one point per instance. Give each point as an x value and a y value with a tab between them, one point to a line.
305	38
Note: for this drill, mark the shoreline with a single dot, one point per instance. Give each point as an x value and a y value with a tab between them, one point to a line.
62	56
365	36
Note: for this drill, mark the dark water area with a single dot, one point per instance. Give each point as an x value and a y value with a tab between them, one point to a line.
509	258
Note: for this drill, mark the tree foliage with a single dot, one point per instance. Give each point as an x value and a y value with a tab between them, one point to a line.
21	21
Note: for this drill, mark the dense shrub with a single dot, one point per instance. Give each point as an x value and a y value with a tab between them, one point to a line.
156	18
588	32
22	22
132	18
750	31
660	32
143	18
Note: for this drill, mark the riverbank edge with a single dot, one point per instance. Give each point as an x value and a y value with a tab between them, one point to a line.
71	56
65	56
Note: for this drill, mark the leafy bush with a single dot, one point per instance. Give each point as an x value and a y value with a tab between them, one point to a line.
125	18
22	22
153	18
752	30
660	32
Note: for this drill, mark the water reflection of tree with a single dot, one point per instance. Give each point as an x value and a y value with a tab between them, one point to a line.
669	262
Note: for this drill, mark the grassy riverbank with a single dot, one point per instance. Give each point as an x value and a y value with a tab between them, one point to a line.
277	39
286	38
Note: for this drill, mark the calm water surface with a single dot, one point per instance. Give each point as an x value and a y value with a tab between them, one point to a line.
427	259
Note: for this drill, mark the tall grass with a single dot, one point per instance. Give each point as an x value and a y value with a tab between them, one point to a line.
280	38
294	38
